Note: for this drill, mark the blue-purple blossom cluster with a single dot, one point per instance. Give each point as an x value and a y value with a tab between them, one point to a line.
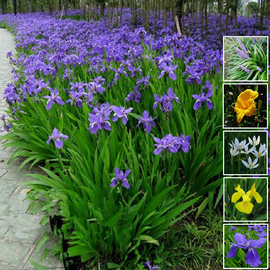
100	116
165	101
172	144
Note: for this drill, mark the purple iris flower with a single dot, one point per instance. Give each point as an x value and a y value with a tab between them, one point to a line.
150	267
120	176
166	100
143	80
99	121
53	99
6	127
120	112
262	234
57	136
147	121
202	98
173	144
251	257
134	95
232	228
259	69
9	55
269	99
169	70
245	69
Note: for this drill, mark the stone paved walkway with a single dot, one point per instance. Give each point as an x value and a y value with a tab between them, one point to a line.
20	232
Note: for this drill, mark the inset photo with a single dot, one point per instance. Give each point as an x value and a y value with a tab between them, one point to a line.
245	105
245	199
245	153
245	246
245	58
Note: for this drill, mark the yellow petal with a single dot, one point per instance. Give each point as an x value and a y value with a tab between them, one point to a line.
240	116
247	94
257	197
245	207
235	197
253	189
251	109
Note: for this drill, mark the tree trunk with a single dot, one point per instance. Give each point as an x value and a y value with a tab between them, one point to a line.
227	14
179	11
146	16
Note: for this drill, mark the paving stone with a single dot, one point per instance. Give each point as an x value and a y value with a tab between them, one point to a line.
7	188
24	229
14	254
20	231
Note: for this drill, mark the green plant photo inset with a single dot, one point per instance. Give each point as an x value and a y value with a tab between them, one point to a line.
245	58
245	246
245	199
245	153
245	105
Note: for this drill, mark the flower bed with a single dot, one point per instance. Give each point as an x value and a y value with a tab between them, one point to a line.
126	125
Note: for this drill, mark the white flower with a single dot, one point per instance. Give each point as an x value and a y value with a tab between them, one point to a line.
255	141
262	151
250	164
234	152
246	151
240	145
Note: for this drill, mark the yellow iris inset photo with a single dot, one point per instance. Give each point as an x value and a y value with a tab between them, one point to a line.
245	199
245	206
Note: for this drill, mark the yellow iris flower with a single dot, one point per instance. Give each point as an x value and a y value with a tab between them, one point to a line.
246	206
245	104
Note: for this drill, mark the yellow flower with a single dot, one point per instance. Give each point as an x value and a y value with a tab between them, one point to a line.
255	194
245	104
249	51
246	206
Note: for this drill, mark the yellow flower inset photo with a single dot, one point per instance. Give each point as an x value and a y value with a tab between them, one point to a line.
245	199
245	105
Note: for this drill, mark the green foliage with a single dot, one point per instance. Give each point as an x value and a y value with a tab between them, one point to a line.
247	61
118	225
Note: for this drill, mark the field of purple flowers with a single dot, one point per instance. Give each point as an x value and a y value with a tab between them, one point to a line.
127	126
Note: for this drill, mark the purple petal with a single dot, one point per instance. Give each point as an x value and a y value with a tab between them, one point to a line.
172	76
232	252
117	172
126	173
157	151
240	239
49	104
147	127
125	120
209	104
58	143
113	182
126	184
145	114
48	142
252	257
210	93
196	96
197	105
257	243
65	137
107	126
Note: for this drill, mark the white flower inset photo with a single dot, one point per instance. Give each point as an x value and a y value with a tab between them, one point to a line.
245	153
